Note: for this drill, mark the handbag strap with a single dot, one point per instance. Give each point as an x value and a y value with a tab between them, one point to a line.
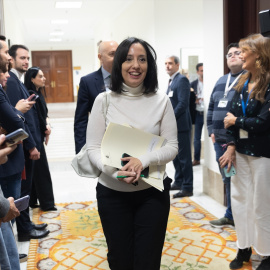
106	102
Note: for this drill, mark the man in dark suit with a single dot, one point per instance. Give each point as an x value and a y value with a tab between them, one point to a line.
179	91
90	86
197	85
17	91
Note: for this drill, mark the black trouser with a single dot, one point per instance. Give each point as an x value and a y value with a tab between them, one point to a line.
134	224
42	188
23	221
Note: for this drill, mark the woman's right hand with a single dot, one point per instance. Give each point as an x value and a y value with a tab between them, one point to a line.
228	157
131	176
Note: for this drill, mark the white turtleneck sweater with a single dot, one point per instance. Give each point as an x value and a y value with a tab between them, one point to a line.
152	113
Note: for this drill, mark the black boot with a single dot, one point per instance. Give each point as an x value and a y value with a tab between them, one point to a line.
243	255
265	264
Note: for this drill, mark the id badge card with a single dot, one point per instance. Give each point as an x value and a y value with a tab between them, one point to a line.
243	134
170	93
223	103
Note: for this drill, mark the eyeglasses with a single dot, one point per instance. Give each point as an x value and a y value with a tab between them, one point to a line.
236	53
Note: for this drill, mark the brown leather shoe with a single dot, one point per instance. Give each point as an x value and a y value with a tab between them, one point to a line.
195	162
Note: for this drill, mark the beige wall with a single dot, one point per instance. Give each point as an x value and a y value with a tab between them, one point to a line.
213	70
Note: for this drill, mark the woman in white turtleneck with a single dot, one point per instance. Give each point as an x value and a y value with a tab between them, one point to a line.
134	217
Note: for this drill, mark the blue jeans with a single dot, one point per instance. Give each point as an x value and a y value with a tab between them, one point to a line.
198	135
9	257
227	180
11	185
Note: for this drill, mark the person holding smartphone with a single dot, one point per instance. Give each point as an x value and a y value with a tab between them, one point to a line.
42	189
9	257
134	217
16	91
248	124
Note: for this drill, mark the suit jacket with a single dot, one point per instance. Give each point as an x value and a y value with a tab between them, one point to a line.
194	85
10	121
91	86
16	91
180	102
192	102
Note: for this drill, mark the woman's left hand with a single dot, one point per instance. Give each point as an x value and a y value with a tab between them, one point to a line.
133	165
229	120
228	158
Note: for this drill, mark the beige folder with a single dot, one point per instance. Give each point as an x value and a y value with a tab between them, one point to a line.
119	139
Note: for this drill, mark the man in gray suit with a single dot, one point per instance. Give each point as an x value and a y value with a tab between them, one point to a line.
90	86
179	91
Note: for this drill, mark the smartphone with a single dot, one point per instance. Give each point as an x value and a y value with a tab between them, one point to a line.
16	136
22	203
33	97
231	172
144	172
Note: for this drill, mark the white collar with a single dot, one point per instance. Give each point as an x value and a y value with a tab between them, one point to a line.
132	91
172	77
17	73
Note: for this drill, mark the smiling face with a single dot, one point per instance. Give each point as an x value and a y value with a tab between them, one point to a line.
134	69
39	80
21	61
249	59
3	78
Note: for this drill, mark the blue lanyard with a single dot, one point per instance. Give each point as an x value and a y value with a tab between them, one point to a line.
244	104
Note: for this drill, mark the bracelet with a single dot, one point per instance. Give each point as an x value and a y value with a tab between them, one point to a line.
224	146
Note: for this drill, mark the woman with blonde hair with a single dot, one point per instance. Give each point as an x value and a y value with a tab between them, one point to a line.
248	124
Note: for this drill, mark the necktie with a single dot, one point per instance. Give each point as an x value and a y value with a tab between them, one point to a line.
169	89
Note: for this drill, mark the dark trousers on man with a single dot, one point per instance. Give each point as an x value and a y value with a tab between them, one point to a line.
183	164
198	135
23	221
134	224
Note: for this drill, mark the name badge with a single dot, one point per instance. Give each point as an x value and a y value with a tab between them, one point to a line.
243	134
223	103
170	93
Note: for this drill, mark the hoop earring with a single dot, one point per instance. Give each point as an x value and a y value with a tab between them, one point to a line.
258	64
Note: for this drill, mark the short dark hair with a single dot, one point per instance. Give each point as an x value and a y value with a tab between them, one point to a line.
13	50
232	45
150	82
2	38
199	65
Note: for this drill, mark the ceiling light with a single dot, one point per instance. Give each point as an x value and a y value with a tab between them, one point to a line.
68	4
59	21
55	39
57	33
